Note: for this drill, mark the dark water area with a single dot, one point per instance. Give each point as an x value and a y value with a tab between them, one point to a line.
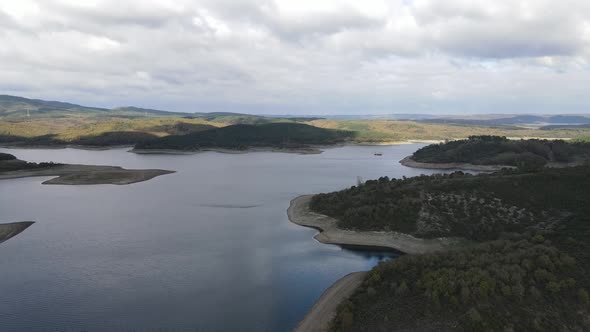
208	248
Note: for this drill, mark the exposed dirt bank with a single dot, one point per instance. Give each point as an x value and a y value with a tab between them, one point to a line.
299	213
323	311
409	162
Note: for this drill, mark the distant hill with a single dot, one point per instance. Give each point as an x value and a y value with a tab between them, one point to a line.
574	126
573	119
18	108
513	120
242	136
14	108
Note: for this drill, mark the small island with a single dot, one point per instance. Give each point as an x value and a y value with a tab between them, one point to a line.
12	168
282	137
492	153
524	266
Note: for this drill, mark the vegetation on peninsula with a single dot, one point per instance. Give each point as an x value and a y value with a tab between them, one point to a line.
528	272
496	150
243	136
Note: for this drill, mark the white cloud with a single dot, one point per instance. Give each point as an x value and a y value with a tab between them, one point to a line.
320	56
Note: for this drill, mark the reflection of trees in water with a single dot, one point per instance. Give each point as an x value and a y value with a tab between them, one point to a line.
12	229
373	253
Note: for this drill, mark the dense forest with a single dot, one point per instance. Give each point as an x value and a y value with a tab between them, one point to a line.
496	150
242	136
527	272
478	207
9	163
519	285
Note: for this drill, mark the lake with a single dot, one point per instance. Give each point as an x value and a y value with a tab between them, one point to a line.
208	248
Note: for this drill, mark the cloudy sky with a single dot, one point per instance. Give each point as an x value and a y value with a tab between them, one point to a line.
301	56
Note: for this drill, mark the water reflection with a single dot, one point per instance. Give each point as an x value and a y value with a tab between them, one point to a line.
373	253
184	252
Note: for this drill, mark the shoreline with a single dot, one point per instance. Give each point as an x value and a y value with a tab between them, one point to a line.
66	146
87	175
322	312
324	309
310	150
300	214
409	162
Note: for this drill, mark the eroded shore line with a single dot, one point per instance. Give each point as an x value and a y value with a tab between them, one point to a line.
300	214
409	162
310	150
324	310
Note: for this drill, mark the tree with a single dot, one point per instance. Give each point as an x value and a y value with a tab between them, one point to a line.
583	296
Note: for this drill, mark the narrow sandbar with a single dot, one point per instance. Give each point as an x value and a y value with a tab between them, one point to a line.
324	310
87	174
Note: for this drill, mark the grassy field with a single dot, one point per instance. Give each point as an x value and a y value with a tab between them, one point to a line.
69	123
392	131
73	128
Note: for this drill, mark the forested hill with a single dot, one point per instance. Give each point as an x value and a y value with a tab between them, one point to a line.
16	109
242	136
529	271
496	150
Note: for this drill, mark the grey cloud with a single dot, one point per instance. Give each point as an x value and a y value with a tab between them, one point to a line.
249	55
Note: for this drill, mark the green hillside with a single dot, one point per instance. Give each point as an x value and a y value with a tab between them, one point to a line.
529	271
242	136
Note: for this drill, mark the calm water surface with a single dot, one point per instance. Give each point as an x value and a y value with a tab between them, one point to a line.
208	248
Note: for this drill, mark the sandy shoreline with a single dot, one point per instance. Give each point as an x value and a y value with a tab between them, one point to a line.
323	311
87	174
409	162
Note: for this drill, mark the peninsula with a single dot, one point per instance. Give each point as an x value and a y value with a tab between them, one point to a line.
492	153
525	266
12	168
